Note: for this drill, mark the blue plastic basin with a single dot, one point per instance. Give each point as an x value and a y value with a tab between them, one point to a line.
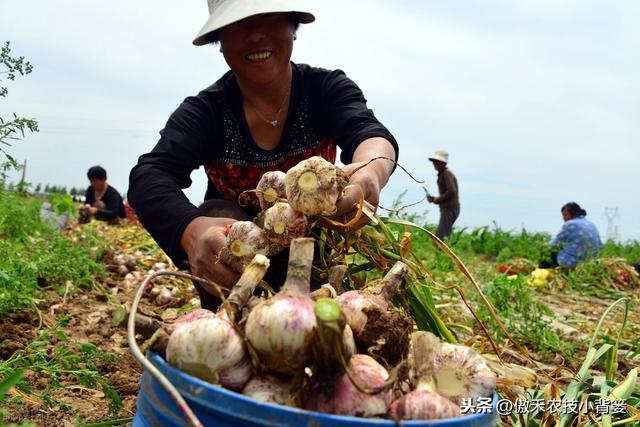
216	406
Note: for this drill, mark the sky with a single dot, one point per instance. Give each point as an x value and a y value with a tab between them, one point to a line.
537	101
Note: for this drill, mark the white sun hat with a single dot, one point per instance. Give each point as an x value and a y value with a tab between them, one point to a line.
441	155
225	12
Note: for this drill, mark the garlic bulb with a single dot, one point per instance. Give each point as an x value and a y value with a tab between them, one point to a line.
330	389
189	317
312	186
267	388
244	240
423	405
353	303
423	402
281	329
282	224
271	188
345	398
211	348
459	372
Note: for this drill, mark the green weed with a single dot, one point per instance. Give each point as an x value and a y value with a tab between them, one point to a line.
53	357
35	256
523	316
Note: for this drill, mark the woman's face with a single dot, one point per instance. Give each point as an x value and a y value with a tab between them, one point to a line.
258	49
98	184
566	215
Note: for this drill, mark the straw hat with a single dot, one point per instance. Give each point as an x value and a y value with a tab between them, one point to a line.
441	155
225	12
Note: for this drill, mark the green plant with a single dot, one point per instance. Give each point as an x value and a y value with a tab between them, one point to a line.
523	316
5	386
53	357
62	203
13	129
35	256
630	250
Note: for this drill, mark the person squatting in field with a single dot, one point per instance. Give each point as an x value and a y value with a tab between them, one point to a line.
577	241
266	113
102	201
448	199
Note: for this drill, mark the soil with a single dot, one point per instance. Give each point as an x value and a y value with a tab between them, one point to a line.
90	319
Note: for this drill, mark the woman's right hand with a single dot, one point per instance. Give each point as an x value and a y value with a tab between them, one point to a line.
203	240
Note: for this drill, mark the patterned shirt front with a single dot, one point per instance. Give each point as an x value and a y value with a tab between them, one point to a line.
578	241
327	111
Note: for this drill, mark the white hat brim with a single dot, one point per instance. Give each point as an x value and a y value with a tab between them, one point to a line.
440	159
231	11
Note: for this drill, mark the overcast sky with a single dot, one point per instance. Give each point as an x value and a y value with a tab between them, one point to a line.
537	101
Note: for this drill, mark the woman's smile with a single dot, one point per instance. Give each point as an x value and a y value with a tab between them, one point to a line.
259	56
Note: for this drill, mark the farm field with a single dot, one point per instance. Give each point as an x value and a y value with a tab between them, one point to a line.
65	297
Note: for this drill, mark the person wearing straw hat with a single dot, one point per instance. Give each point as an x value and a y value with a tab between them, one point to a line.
266	113
448	199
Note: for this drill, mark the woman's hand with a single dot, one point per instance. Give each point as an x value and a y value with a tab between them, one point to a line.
367	177
363	185
203	240
89	210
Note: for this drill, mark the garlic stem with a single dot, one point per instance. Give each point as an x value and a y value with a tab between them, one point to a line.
243	289
308	182
300	264
336	276
424	347
270	194
329	340
393	279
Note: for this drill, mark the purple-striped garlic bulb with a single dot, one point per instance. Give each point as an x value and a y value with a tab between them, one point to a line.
282	224
244	240
313	186
423	402
330	388
271	389
459	372
281	329
423	405
346	399
271	189
354	303
211	348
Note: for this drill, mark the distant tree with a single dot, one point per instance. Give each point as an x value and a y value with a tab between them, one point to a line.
38	188
14	128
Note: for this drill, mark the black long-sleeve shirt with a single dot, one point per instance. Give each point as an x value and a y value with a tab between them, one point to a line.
448	189
112	200
327	110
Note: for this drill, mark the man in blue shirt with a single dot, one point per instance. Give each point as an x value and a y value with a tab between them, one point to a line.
577	241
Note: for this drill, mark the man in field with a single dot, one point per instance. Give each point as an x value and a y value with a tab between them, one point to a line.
448	189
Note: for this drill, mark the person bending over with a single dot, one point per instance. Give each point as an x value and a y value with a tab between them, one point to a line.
266	113
102	201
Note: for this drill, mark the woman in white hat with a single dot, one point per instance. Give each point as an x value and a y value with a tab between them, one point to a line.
265	114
